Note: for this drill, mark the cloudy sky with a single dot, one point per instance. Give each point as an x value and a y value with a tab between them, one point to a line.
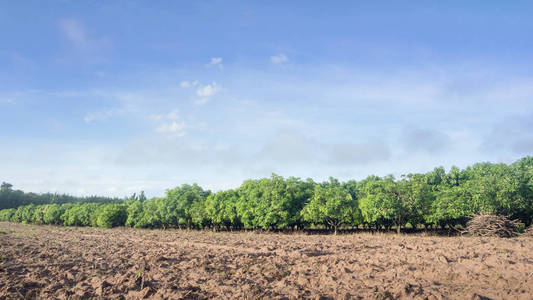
112	97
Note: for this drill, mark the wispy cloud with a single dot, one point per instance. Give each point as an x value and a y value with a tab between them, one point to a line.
513	134
187	84
205	92
76	33
208	90
174	128
172	115
425	140
330	122
201	101
99	116
291	147
169	124
355	154
279	59
7	100
215	62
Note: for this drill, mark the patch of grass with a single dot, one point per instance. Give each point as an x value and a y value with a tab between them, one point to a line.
3	232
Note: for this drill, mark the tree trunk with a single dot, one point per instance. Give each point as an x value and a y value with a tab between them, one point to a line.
398	229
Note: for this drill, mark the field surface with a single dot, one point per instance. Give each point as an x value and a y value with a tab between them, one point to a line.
75	263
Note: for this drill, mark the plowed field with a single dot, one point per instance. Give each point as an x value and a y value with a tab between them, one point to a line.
80	263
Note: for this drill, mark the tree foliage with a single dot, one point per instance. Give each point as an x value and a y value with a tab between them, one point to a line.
332	205
436	198
10	198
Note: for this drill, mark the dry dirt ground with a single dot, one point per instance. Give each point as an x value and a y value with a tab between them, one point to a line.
75	263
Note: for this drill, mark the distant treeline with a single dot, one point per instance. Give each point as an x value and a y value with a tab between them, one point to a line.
10	198
434	199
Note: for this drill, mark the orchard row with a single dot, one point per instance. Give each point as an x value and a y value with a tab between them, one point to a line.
437	198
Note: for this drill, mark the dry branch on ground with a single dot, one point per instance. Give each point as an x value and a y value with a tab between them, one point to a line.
528	232
493	225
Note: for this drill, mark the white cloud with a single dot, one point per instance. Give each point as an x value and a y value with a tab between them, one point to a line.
174	128
330	123
279	59
185	84
172	115
208	90
169	123
98	116
216	61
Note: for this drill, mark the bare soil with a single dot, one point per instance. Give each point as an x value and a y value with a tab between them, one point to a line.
80	263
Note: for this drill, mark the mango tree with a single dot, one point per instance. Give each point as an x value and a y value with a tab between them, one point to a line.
331	205
385	199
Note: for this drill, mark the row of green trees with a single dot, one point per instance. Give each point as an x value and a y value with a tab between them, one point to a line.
70	214
10	198
434	199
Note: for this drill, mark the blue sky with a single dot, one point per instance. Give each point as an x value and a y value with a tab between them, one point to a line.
113	97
